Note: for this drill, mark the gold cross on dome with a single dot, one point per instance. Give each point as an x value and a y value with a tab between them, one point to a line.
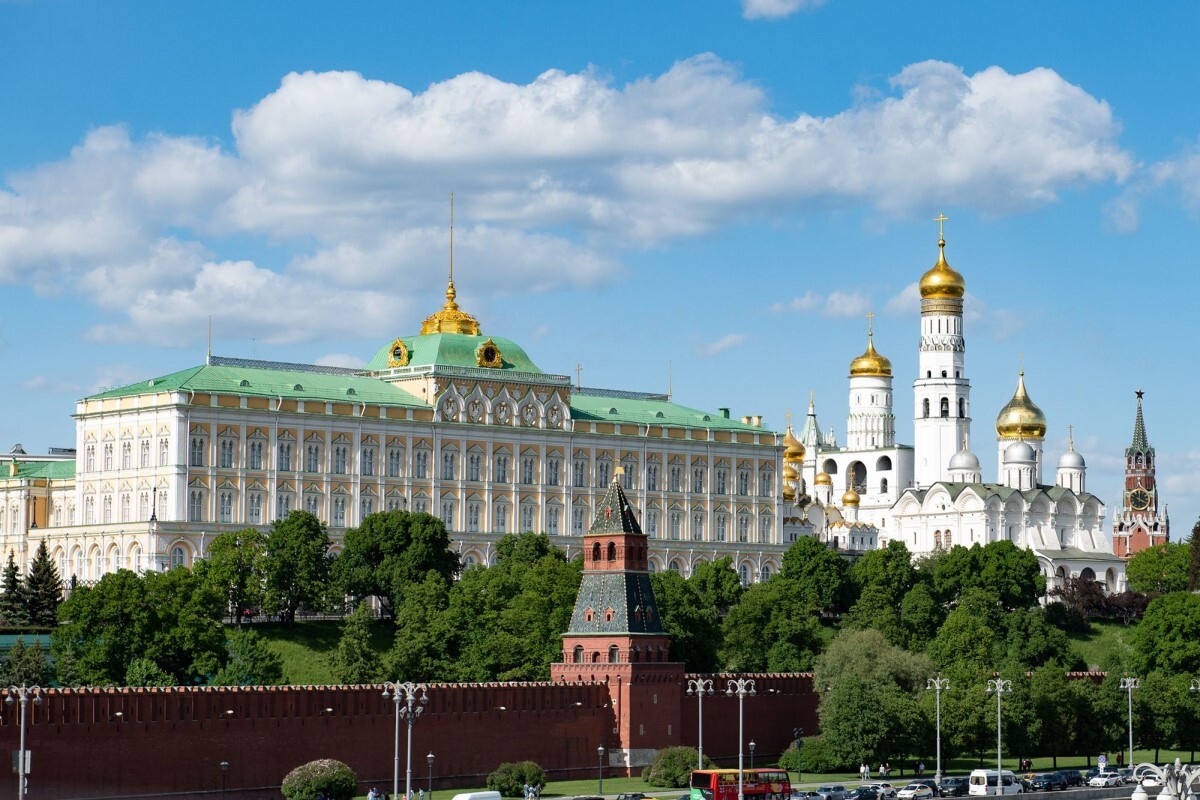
870	323
789	417
579	376
939	219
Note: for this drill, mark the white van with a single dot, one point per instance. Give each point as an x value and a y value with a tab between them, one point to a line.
983	782
477	796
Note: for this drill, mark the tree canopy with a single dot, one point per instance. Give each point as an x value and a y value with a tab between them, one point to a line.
1162	568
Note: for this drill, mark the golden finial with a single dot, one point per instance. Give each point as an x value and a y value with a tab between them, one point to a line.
578	377
1021	369
870	324
1071	437
939	219
788	416
451	319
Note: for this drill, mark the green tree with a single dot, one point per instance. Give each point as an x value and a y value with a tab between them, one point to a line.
866	719
693	624
354	661
1054	725
427	636
1009	572
391	550
876	608
718	584
1162	568
1168	637
249	662
1030	641
237	565
1194	558
867	654
144	672
920	616
297	564
970	634
773	628
26	665
14	612
817	574
890	569
43	589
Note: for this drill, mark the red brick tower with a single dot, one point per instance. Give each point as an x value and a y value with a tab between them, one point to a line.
616	636
1139	523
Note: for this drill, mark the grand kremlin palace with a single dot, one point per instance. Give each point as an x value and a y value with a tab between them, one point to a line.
465	426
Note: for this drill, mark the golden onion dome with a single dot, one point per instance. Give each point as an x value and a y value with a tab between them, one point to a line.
794	448
850	498
789	494
450	319
871	363
1021	418
790	473
943	281
823	479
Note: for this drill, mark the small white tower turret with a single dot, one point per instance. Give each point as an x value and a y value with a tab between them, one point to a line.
1071	466
1018	466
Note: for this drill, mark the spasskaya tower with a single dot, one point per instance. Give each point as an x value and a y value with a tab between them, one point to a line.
1140	523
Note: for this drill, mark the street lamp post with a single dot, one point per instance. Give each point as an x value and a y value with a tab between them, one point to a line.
410	699
938	684
429	791
224	774
600	770
700	687
23	693
752	755
1000	687
740	687
1129	684
1178	782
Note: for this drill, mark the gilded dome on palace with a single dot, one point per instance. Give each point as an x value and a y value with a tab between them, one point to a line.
790	473
942	281
794	448
823	479
451	319
1021	418
871	363
850	498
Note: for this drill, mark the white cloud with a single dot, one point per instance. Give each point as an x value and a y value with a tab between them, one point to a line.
776	9
41	383
341	360
835	304
726	342
995	323
348	178
906	301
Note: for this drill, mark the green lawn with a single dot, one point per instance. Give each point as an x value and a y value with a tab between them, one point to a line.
306	647
1108	644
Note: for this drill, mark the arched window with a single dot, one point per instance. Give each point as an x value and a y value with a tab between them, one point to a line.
612	551
883	485
176	557
614	654
945	407
577	654
925	406
596	552
962	407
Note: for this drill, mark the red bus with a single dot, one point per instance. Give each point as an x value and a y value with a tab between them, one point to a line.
722	784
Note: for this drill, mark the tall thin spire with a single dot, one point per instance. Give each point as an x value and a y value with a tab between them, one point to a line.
452	239
1140	443
208	353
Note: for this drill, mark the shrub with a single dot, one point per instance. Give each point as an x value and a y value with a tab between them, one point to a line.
790	760
673	767
510	779
815	756
323	777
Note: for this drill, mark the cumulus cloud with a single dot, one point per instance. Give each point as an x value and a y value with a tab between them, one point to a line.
726	342
995	323
834	304
906	301
776	9
345	180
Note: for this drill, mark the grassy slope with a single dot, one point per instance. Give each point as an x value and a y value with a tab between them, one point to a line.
307	648
1108	644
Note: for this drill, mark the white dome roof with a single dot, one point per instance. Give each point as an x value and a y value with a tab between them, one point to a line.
1019	451
1071	460
964	461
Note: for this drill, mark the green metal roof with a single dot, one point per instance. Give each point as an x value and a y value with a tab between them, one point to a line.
264	379
452	349
604	408
50	470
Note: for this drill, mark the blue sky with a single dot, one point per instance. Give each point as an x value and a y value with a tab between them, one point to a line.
718	191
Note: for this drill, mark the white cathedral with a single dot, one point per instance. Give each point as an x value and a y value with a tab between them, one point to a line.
932	495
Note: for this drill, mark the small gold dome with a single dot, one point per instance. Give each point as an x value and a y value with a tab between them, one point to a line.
790	473
1021	418
850	498
871	363
789	494
943	281
795	450
823	479
451	319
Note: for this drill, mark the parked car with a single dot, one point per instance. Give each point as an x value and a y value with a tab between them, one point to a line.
832	791
931	783
1105	779
864	792
953	787
915	791
1073	776
885	789
1048	782
631	796
804	794
1091	773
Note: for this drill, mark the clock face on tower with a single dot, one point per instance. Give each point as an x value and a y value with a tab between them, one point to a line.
1139	499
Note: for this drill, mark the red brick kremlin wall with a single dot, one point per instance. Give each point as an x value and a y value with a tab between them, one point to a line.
93	743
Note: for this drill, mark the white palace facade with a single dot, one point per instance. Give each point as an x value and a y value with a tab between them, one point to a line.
466	427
